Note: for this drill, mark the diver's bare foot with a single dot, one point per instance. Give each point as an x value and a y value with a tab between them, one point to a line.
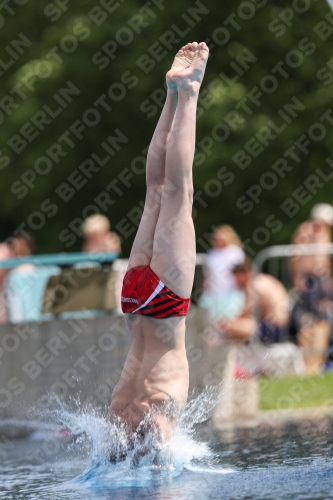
183	59
188	68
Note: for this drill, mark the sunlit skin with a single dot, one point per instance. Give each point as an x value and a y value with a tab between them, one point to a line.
5	253
262	290
102	241
312	231
155	375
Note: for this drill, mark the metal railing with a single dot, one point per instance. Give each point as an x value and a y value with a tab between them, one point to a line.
292	250
61	259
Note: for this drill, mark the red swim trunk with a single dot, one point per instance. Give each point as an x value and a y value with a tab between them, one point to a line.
144	293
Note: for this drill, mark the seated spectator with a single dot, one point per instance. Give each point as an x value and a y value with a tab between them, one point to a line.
311	275
99	238
4	255
317	230
19	284
15	246
220	295
265	311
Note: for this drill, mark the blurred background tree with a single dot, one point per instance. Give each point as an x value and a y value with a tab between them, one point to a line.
75	73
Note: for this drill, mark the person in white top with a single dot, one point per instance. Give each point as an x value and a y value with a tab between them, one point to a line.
220	296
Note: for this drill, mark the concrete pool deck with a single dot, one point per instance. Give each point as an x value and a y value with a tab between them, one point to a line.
276	418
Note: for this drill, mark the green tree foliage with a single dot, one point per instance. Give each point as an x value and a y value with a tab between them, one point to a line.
267	84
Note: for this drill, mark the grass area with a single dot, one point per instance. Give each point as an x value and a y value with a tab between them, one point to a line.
296	392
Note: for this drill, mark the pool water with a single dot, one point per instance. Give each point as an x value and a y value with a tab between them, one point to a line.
283	461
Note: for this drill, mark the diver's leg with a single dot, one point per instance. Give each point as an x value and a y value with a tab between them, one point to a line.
142	248
126	389
174	249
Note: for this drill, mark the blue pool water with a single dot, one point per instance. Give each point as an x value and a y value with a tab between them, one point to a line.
282	461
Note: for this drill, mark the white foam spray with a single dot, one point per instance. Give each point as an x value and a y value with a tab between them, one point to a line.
141	460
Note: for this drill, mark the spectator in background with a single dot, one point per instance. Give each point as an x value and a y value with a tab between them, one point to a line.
20	289
21	245
15	246
4	255
316	230
311	275
220	295
266	309
99	238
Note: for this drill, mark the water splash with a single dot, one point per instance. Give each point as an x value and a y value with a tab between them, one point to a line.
142	460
